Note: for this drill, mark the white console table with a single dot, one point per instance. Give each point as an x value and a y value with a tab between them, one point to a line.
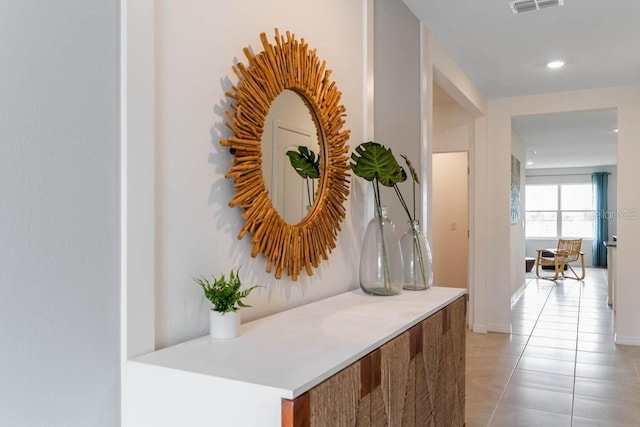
280	358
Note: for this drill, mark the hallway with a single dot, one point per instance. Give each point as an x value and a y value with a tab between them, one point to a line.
559	366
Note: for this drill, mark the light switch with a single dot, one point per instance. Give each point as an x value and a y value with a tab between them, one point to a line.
454	225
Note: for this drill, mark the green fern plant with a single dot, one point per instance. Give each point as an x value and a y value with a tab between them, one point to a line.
225	294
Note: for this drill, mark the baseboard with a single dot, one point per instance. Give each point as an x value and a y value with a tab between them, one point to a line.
621	339
504	329
479	329
518	293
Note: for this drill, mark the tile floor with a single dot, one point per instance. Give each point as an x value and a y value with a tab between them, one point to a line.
559	366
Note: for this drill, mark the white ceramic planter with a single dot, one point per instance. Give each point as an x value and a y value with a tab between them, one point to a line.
224	325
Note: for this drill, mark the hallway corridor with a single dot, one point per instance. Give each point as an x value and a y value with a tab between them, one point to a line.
559	366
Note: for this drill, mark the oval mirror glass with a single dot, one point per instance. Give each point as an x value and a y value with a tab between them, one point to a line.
291	156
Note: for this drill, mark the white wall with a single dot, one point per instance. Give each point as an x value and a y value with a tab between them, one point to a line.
453	128
59	299
397	97
517	236
196	231
439	67
627	102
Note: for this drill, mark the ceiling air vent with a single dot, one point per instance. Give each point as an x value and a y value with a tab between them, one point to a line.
520	6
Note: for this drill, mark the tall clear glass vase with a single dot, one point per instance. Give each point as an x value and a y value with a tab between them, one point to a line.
416	257
381	259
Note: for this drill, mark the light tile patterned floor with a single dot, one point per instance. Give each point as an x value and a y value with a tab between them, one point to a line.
559	366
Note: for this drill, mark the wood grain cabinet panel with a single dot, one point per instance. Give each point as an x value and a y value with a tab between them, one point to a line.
336	401
415	380
397	388
455	353
430	399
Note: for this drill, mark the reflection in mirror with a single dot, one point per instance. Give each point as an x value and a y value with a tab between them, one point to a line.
288	126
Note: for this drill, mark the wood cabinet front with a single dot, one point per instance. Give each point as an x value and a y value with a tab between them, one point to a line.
417	379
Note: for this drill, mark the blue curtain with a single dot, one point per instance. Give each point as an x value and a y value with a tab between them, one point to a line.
601	230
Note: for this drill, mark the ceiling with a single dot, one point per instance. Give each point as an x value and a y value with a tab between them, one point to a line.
505	55
578	139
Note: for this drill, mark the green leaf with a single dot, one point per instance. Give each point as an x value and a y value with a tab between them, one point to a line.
225	294
305	162
372	161
412	171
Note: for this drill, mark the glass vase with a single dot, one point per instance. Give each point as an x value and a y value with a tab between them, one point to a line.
381	260
416	257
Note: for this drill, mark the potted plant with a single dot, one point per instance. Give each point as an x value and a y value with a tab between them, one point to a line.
380	260
416	251
226	297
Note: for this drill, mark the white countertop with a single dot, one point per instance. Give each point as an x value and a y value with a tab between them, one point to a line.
294	350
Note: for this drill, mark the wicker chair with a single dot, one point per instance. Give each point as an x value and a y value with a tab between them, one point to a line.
567	252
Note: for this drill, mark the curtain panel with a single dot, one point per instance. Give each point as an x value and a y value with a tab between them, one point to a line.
601	229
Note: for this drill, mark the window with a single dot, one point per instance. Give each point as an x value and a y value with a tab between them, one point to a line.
564	210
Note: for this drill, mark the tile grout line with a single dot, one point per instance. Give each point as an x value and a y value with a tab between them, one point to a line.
575	358
574	298
504	390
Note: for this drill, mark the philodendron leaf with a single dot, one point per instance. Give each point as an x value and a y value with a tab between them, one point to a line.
305	162
373	161
412	171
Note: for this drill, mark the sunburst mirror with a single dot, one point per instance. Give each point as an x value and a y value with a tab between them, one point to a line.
287	65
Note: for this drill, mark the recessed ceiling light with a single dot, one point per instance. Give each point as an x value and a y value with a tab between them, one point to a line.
555	64
529	163
616	130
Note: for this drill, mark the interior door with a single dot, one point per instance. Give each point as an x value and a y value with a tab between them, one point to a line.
450	245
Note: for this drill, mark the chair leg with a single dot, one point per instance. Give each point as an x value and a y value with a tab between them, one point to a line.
581	277
557	268
555	276
574	272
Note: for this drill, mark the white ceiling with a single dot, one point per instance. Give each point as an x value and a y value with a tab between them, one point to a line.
505	55
578	139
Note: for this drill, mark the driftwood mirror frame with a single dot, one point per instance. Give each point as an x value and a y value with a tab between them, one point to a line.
289	64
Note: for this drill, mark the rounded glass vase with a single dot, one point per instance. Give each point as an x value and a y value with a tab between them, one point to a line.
416	257
381	260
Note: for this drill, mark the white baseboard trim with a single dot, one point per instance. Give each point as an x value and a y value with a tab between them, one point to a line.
480	329
518	293
620	339
504	329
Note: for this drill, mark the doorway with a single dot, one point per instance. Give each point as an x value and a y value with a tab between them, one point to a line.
563	150
453	142
450	219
